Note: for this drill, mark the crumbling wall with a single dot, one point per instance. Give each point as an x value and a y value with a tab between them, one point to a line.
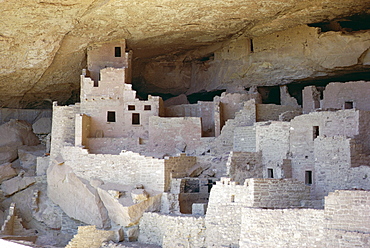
245	117
205	110
231	103
271	112
243	165
125	168
354	93
170	136
310	99
172	231
272	140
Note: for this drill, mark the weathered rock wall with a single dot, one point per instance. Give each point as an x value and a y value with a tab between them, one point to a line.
278	58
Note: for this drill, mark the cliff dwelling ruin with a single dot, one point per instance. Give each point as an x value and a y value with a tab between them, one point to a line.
254	134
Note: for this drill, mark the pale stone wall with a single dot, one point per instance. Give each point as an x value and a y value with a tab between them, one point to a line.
172	231
231	103
310	99
281	228
170	136
243	165
126	168
244	139
339	123
271	112
348	210
63	127
336	94
205	110
333	167
113	95
272	139
102	55
245	117
29	115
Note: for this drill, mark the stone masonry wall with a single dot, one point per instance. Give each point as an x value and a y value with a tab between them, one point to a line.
172	231
126	168
63	127
170	136
271	112
245	117
304	130
348	210
245	139
281	228
243	165
333	169
345	222
336	94
272	139
205	110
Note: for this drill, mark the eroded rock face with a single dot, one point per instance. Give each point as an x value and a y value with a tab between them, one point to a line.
14	134
43	43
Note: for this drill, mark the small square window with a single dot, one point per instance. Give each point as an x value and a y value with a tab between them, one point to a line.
348	105
270	173
135	119
308	177
131	107
117	52
147	107
111	116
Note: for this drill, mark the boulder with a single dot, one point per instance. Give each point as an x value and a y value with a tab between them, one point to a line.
28	157
6	172
16	184
77	198
42	126
13	134
123	210
177	100
17	132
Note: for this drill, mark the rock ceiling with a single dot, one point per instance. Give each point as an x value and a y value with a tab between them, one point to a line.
43	42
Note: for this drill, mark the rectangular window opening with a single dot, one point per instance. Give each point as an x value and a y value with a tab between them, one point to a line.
135	119
316	132
308	177
270	173
117	52
147	107
111	116
348	105
131	107
251	45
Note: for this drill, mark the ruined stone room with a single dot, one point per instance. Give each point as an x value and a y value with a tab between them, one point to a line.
184	123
